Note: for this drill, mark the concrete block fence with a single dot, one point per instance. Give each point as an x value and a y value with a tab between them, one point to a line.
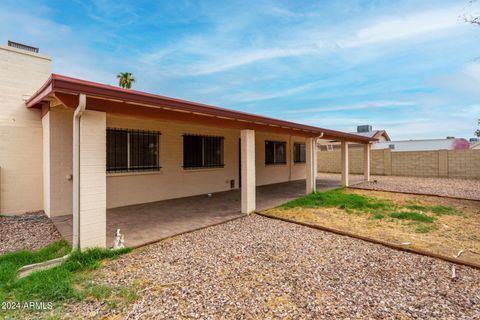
439	163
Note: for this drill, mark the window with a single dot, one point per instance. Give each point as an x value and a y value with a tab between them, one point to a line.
391	146
299	152
202	152
275	152
132	150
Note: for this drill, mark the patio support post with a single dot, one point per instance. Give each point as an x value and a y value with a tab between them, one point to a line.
247	137
93	180
344	165
311	165
366	162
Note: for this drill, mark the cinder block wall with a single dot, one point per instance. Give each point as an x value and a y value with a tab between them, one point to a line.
440	163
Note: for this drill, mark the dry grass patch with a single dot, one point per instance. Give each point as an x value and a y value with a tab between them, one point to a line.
439	225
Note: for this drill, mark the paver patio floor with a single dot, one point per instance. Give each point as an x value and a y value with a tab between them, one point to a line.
148	222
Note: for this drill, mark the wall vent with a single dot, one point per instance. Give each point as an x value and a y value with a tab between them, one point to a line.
22	46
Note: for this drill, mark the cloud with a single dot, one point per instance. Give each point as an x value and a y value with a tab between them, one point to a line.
249	57
404	27
356	106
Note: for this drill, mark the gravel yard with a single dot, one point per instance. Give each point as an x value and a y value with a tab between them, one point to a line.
256	268
28	231
460	188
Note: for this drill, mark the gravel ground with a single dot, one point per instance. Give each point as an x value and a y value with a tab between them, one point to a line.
461	188
260	268
28	231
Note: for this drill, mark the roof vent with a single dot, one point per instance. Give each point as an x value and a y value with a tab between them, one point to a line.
22	46
364	128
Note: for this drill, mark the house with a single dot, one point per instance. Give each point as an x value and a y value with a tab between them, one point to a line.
475	146
74	146
363	130
424	144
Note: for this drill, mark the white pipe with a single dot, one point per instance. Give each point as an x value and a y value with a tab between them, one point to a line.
319	137
82	103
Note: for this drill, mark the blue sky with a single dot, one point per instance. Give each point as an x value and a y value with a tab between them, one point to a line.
410	67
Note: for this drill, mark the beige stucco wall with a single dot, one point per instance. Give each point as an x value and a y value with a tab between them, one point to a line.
21	165
440	163
172	181
57	164
268	174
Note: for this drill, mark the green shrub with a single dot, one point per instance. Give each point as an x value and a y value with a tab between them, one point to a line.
338	198
55	284
378	216
444	210
411	215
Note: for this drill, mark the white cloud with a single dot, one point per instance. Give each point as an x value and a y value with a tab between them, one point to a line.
227	61
356	106
407	26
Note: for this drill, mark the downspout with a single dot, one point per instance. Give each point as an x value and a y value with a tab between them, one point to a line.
82	103
290	158
314	148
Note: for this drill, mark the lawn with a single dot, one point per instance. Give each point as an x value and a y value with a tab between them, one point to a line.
439	225
67	282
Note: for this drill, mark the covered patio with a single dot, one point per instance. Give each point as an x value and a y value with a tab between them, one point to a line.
149	222
127	159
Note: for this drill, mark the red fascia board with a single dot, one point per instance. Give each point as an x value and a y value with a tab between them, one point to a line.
67	84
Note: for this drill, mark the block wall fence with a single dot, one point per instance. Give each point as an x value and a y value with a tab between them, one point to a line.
440	163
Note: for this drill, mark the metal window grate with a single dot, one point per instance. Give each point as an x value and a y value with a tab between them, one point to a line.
275	152
202	151
299	153
132	150
22	46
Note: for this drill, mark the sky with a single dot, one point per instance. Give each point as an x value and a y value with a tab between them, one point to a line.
410	67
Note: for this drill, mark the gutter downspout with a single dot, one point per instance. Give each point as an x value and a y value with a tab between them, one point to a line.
82	103
314	148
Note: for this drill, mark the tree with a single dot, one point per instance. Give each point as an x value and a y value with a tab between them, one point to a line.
472	18
125	80
477	133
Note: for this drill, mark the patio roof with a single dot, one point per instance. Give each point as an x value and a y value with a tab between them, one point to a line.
110	99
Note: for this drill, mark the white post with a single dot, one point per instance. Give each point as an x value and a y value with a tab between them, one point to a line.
311	165
366	162
93	180
344	156
247	137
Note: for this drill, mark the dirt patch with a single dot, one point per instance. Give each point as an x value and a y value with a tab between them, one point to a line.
32	230
447	235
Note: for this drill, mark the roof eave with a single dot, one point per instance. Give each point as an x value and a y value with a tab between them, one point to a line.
76	86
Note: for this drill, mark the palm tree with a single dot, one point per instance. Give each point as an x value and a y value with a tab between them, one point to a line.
125	80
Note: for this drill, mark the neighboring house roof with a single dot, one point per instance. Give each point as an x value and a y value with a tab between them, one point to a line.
424	144
376	134
475	145
112	99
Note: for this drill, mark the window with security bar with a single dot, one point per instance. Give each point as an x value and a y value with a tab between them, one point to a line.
275	152
132	150
299	152
202	152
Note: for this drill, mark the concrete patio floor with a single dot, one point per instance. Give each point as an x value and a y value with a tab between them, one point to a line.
149	222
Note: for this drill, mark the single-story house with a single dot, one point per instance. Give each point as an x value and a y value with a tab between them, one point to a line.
363	130
70	145
424	144
475	146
